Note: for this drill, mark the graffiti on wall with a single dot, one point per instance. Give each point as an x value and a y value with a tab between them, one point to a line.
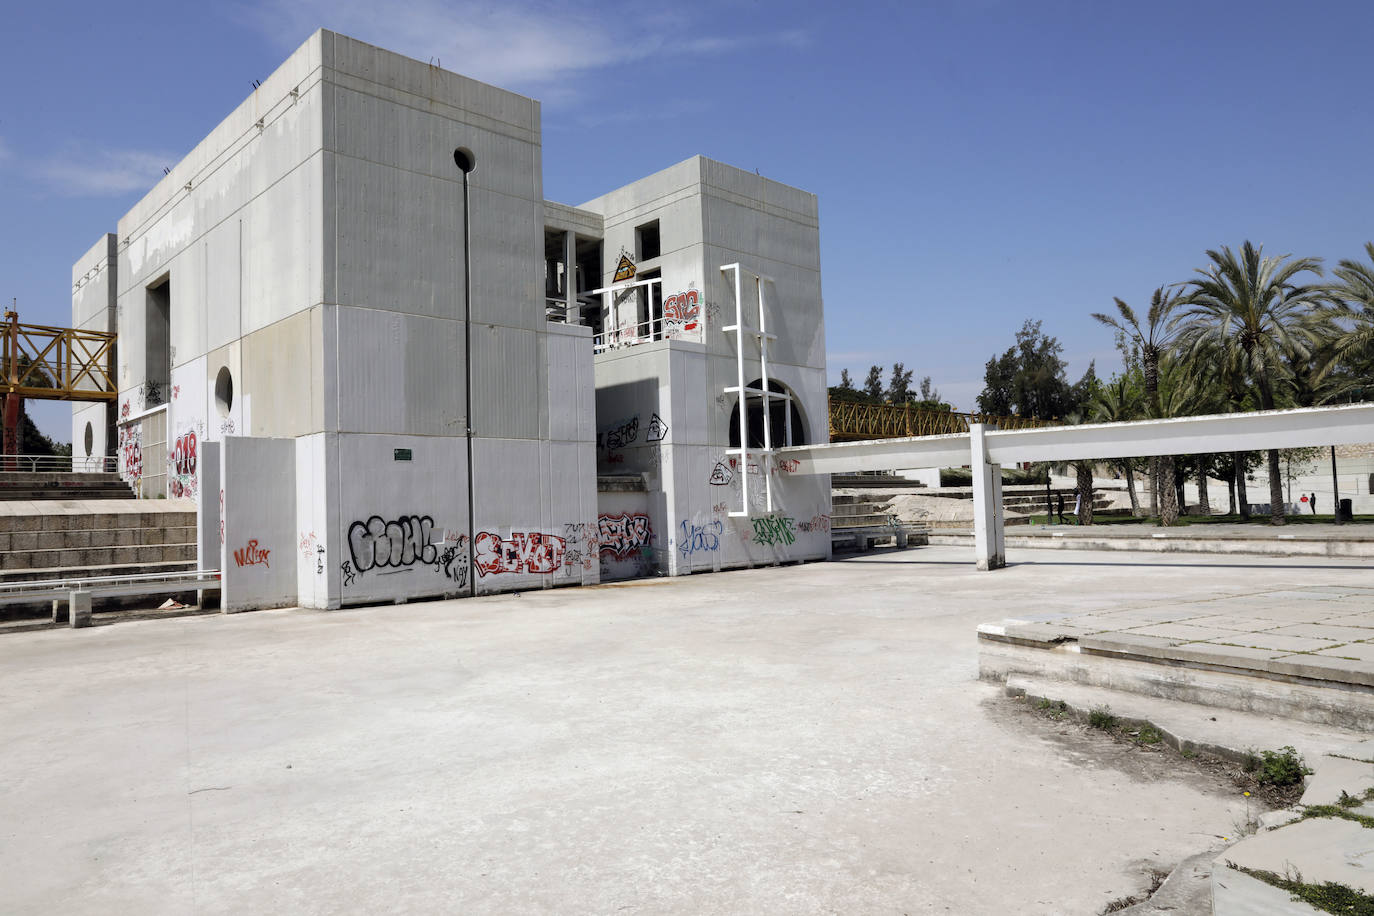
151	393
682	314
722	473
818	523
398	544
523	552
131	452
621	434
581	543
183	480
657	431
252	555
774	530
694	538
624	535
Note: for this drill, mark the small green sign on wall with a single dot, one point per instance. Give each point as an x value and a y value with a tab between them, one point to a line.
400	454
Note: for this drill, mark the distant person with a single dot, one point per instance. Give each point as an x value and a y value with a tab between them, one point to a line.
1061	508
1312	503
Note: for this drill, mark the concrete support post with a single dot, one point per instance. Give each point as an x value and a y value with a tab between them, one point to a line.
988	534
79	609
570	277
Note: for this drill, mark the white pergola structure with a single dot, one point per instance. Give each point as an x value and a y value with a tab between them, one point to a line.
986	449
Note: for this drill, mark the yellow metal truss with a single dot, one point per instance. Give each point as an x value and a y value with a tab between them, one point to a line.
850	420
63	364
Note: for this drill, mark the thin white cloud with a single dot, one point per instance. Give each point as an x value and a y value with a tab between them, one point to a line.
521	45
101	172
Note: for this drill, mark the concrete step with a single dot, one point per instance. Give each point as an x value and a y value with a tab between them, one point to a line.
9	576
876	519
133	554
8	478
866	507
84	538
87	492
83	520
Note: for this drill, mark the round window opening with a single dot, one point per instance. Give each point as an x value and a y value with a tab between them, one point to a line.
89	439
224	391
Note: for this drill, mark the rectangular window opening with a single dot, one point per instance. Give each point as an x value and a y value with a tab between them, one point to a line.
646	241
157	342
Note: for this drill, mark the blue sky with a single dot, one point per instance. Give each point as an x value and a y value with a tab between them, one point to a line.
978	163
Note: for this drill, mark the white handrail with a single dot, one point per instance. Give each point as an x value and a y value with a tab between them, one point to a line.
59	464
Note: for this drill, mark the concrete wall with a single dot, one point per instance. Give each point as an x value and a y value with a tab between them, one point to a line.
94	297
258	514
711	215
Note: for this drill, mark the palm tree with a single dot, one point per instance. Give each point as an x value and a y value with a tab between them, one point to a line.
1153	340
1251	311
1355	301
1118	401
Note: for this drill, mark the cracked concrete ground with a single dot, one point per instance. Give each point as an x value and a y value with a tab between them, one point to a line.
788	740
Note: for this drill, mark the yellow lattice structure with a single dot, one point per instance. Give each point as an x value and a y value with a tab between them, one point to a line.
65	364
850	420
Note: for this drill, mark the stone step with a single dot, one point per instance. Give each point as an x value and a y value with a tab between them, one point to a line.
76	521
82	538
98	556
868	507
94	491
9	576
876	519
22	478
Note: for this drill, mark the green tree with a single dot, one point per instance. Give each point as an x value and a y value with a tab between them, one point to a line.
845	381
1353	346
1028	379
873	385
1253	312
1151	340
899	388
1120	401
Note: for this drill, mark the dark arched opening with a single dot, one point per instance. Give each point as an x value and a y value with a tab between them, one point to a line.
780	411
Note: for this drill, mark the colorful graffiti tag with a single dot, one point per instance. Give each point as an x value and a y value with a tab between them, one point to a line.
522	552
624	535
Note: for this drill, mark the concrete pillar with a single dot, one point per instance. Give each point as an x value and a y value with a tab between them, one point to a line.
79	609
570	277
988	532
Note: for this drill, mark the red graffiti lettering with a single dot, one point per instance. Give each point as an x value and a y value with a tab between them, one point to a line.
523	552
252	555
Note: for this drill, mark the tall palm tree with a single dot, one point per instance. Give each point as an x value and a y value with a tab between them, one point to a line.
1354	296
1153	339
1251	311
1118	401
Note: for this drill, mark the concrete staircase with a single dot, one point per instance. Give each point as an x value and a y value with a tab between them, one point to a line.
62	485
99	538
860	521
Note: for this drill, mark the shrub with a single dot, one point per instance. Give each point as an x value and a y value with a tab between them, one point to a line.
1102	717
1284	767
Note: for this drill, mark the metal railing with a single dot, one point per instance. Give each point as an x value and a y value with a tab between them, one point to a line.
851	420
628	336
69	364
60	464
111	586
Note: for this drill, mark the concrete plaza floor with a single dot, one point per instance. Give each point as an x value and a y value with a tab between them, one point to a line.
788	740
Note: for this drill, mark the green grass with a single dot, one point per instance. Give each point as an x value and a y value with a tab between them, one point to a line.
1328	897
1102	718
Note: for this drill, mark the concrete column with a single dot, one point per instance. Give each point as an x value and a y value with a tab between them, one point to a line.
570	277
988	534
79	609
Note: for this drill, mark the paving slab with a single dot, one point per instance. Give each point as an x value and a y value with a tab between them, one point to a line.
1362	651
1327	631
1270	640
1181	632
1333	776
1319	849
795	740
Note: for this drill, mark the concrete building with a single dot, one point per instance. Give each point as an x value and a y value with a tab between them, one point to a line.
384	367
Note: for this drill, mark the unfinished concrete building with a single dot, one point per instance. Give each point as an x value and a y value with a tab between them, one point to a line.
384	367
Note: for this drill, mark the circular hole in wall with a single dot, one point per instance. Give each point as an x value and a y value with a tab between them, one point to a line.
89	439
464	159
224	391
